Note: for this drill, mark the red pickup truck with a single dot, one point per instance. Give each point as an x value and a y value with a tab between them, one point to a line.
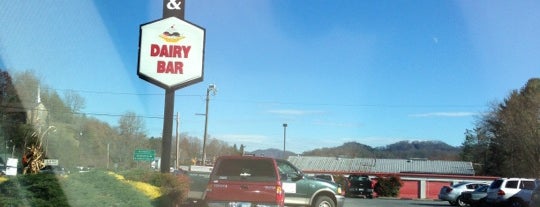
245	181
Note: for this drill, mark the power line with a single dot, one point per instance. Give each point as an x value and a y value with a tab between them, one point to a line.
119	93
282	102
351	105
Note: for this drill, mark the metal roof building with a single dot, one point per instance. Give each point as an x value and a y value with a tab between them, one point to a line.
381	166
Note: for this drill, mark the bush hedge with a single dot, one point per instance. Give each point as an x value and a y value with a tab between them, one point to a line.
94	188
388	186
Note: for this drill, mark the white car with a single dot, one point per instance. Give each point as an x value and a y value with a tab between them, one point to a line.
511	191
452	194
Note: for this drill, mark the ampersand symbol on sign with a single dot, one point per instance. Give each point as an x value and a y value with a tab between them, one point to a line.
173	5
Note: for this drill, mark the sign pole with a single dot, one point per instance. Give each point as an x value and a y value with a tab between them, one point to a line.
171	8
167	131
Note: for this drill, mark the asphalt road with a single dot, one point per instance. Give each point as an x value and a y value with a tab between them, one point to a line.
384	202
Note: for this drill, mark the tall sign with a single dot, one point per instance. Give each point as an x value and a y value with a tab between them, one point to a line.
171	53
171	56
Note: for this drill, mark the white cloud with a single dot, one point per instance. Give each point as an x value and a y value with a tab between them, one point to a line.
444	114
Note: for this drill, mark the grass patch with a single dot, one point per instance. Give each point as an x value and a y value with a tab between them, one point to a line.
95	188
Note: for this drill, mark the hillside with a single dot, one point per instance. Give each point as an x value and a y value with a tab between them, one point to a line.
432	150
272	153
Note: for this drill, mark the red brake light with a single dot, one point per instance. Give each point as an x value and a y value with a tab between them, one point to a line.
501	193
280	195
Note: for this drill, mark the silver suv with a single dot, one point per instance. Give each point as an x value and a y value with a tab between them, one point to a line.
511	191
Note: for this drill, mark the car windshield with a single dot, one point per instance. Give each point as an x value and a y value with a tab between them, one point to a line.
120	99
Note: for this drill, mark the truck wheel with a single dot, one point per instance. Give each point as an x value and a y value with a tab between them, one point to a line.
324	201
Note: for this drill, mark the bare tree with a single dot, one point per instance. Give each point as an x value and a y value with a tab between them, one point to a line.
75	101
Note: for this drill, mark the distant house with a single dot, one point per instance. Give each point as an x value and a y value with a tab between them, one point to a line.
33	113
36	113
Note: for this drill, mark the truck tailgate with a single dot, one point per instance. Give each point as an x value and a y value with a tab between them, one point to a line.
244	181
242	191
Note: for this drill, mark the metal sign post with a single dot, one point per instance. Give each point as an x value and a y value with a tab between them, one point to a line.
171	56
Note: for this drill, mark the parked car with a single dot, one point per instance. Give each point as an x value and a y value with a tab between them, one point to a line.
263	181
59	170
511	191
452	194
328	177
359	185
476	197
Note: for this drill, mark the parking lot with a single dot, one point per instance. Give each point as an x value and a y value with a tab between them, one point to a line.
389	202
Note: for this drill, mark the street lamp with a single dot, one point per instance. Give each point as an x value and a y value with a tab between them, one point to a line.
284	138
211	88
47	141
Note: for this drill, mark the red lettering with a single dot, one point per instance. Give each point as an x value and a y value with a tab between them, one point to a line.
164	51
154	50
180	51
160	66
186	50
172	67
178	67
177	51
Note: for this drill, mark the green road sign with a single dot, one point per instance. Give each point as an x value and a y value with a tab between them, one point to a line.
144	155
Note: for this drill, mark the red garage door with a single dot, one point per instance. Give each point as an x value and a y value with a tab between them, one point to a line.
434	187
409	189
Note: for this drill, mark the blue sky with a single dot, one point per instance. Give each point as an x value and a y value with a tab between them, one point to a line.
374	72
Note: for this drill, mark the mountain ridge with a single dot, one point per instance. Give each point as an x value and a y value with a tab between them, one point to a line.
432	150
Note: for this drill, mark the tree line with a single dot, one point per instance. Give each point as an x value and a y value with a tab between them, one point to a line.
432	150
504	142
506	139
76	139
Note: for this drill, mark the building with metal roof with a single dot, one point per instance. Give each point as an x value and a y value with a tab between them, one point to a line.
381	166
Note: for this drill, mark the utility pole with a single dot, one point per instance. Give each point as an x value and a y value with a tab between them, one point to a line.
177	140
211	88
108	154
284	138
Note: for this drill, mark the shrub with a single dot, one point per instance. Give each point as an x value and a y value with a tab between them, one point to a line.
174	188
388	186
32	190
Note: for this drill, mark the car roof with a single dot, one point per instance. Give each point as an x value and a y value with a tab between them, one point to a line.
240	157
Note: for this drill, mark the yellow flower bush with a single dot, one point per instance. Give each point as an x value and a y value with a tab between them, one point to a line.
151	191
3	179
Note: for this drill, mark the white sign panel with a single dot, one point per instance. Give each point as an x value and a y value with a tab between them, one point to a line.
52	162
289	187
171	52
11	166
12	162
